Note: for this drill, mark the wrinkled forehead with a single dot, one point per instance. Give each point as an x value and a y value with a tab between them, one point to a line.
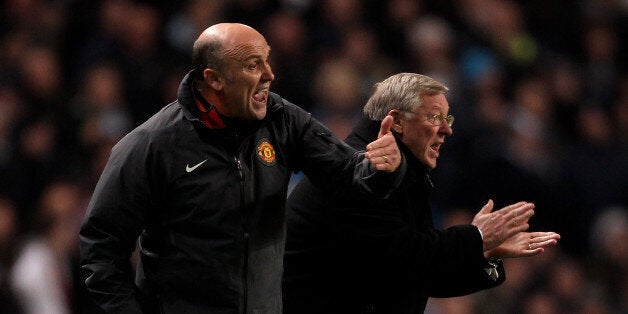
434	103
246	44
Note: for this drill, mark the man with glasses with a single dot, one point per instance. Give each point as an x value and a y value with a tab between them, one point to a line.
358	254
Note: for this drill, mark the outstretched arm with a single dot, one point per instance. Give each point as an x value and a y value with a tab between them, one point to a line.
329	162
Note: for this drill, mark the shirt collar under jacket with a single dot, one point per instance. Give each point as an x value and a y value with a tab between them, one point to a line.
207	112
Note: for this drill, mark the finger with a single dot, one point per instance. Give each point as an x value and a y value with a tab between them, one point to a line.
378	156
511	212
386	141
546	238
527	212
533	252
514	206
526	215
544	244
383	166
385	126
520	213
487	208
538	234
520	227
544	235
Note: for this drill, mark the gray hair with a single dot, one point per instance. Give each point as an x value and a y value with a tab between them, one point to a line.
402	92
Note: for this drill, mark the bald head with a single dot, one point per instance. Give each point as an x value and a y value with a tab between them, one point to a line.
219	41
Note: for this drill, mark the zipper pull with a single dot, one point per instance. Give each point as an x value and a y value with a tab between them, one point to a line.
239	166
429	180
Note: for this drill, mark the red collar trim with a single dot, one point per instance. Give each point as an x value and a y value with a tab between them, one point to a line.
210	117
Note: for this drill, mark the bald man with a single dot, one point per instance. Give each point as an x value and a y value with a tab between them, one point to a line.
202	188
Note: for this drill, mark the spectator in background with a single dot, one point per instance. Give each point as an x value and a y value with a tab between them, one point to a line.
140	50
334	18
354	253
619	113
336	90
10	112
287	34
594	174
182	28
600	46
100	106
42	274
609	247
32	166
9	231
360	47
394	19
431	47
566	86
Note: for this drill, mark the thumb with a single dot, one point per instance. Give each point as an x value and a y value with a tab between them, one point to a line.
385	126
487	208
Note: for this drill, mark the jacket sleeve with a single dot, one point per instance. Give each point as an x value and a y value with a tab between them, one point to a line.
464	272
446	262
114	219
330	163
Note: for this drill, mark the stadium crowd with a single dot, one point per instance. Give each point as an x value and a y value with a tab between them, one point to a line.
539	90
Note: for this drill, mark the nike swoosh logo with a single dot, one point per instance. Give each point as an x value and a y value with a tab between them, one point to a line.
190	169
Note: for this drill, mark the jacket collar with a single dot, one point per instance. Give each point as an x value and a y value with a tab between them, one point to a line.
186	97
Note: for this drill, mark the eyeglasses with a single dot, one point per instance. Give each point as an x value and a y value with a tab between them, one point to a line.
437	119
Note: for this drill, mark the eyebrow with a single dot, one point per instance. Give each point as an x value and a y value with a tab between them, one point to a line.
430	110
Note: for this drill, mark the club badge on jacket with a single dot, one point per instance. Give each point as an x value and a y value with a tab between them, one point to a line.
266	152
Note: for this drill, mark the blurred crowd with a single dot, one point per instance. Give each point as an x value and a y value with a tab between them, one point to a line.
539	89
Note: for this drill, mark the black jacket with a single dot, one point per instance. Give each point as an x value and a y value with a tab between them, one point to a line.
209	205
358	254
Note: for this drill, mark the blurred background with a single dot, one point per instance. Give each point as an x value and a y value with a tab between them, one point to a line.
539	89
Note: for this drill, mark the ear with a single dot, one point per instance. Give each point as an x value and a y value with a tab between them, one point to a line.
397	126
213	79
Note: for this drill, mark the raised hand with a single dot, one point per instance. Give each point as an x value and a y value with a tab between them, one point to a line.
523	244
498	226
383	153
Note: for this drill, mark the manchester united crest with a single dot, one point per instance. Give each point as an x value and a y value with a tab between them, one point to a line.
266	152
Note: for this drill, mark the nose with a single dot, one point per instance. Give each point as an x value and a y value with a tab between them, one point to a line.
267	74
445	129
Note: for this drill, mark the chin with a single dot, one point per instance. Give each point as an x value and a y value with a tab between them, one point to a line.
430	163
259	115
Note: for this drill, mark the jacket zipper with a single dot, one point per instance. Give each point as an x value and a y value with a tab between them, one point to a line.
246	236
239	144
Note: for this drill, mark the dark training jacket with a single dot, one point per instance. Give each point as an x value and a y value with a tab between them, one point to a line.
208	206
359	254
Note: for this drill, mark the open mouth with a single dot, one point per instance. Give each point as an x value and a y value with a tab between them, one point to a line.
261	97
435	149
